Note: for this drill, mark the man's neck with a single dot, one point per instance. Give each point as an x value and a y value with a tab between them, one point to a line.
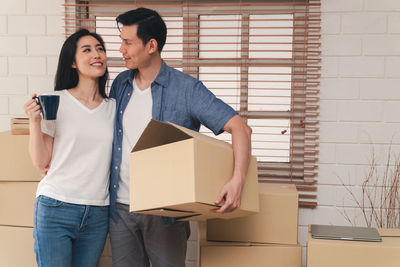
147	74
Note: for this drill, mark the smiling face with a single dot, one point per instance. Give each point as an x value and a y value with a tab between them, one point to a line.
134	52
90	58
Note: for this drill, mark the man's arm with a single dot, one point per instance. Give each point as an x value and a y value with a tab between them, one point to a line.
241	144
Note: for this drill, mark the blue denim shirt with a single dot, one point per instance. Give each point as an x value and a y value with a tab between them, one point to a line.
177	98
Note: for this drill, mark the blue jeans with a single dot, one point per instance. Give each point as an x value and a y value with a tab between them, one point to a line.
67	234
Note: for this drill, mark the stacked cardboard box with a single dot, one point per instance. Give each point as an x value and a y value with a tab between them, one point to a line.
268	238
19	126
332	253
18	182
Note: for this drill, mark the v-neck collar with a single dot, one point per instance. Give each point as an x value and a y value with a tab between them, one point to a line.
82	105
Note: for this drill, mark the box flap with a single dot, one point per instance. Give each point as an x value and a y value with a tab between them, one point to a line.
169	212
201	136
159	133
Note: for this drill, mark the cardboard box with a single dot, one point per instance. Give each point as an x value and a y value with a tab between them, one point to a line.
106	256
15	162
16	247
333	253
239	255
17	201
19	125
275	223
177	172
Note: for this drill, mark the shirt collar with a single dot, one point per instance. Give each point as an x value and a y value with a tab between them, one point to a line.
162	77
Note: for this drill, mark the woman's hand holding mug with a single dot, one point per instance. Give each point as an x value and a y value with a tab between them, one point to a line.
32	110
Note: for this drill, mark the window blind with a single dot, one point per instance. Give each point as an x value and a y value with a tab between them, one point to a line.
261	57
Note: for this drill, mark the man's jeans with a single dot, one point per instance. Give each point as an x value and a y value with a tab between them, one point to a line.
67	234
139	239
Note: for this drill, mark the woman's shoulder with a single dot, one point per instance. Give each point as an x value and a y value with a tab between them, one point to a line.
54	92
62	93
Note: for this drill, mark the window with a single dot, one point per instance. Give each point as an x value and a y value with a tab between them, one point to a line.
260	57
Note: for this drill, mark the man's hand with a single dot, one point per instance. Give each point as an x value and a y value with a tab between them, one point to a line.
232	194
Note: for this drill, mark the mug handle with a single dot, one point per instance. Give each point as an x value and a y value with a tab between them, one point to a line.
37	101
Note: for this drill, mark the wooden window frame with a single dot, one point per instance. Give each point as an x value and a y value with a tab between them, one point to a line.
305	64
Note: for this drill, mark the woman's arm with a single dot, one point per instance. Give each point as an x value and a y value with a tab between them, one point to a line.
40	144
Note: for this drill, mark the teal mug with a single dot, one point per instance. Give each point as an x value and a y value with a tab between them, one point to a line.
49	105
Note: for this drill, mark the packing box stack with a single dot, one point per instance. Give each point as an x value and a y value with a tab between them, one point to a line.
345	253
15	162
18	183
16	246
185	170
268	238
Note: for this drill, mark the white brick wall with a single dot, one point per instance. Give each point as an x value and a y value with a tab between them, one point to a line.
12	7
382	46
26	25
382	5
3	66
361	67
354	23
3	105
3	24
394	23
360	99
337	45
360	105
12	45
45	45
10	85
31	35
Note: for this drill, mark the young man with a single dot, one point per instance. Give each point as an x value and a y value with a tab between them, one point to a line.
151	89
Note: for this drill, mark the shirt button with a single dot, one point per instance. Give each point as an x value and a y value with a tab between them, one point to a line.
129	94
115	186
119	130
119	149
116	167
120	111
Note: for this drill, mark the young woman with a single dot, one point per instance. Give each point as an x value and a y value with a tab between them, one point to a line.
72	202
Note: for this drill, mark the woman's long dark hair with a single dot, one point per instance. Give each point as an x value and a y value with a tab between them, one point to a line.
67	76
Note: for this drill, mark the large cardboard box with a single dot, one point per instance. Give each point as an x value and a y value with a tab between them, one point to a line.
17	200
275	223
333	253
15	162
250	255
16	247
177	172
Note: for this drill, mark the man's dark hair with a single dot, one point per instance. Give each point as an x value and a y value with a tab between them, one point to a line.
149	23
67	76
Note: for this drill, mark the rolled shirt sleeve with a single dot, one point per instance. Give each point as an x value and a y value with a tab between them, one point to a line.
209	110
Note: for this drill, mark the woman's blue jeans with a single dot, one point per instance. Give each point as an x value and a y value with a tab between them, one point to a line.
68	235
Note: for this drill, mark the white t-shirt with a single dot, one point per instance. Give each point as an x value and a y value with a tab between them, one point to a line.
137	115
80	163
